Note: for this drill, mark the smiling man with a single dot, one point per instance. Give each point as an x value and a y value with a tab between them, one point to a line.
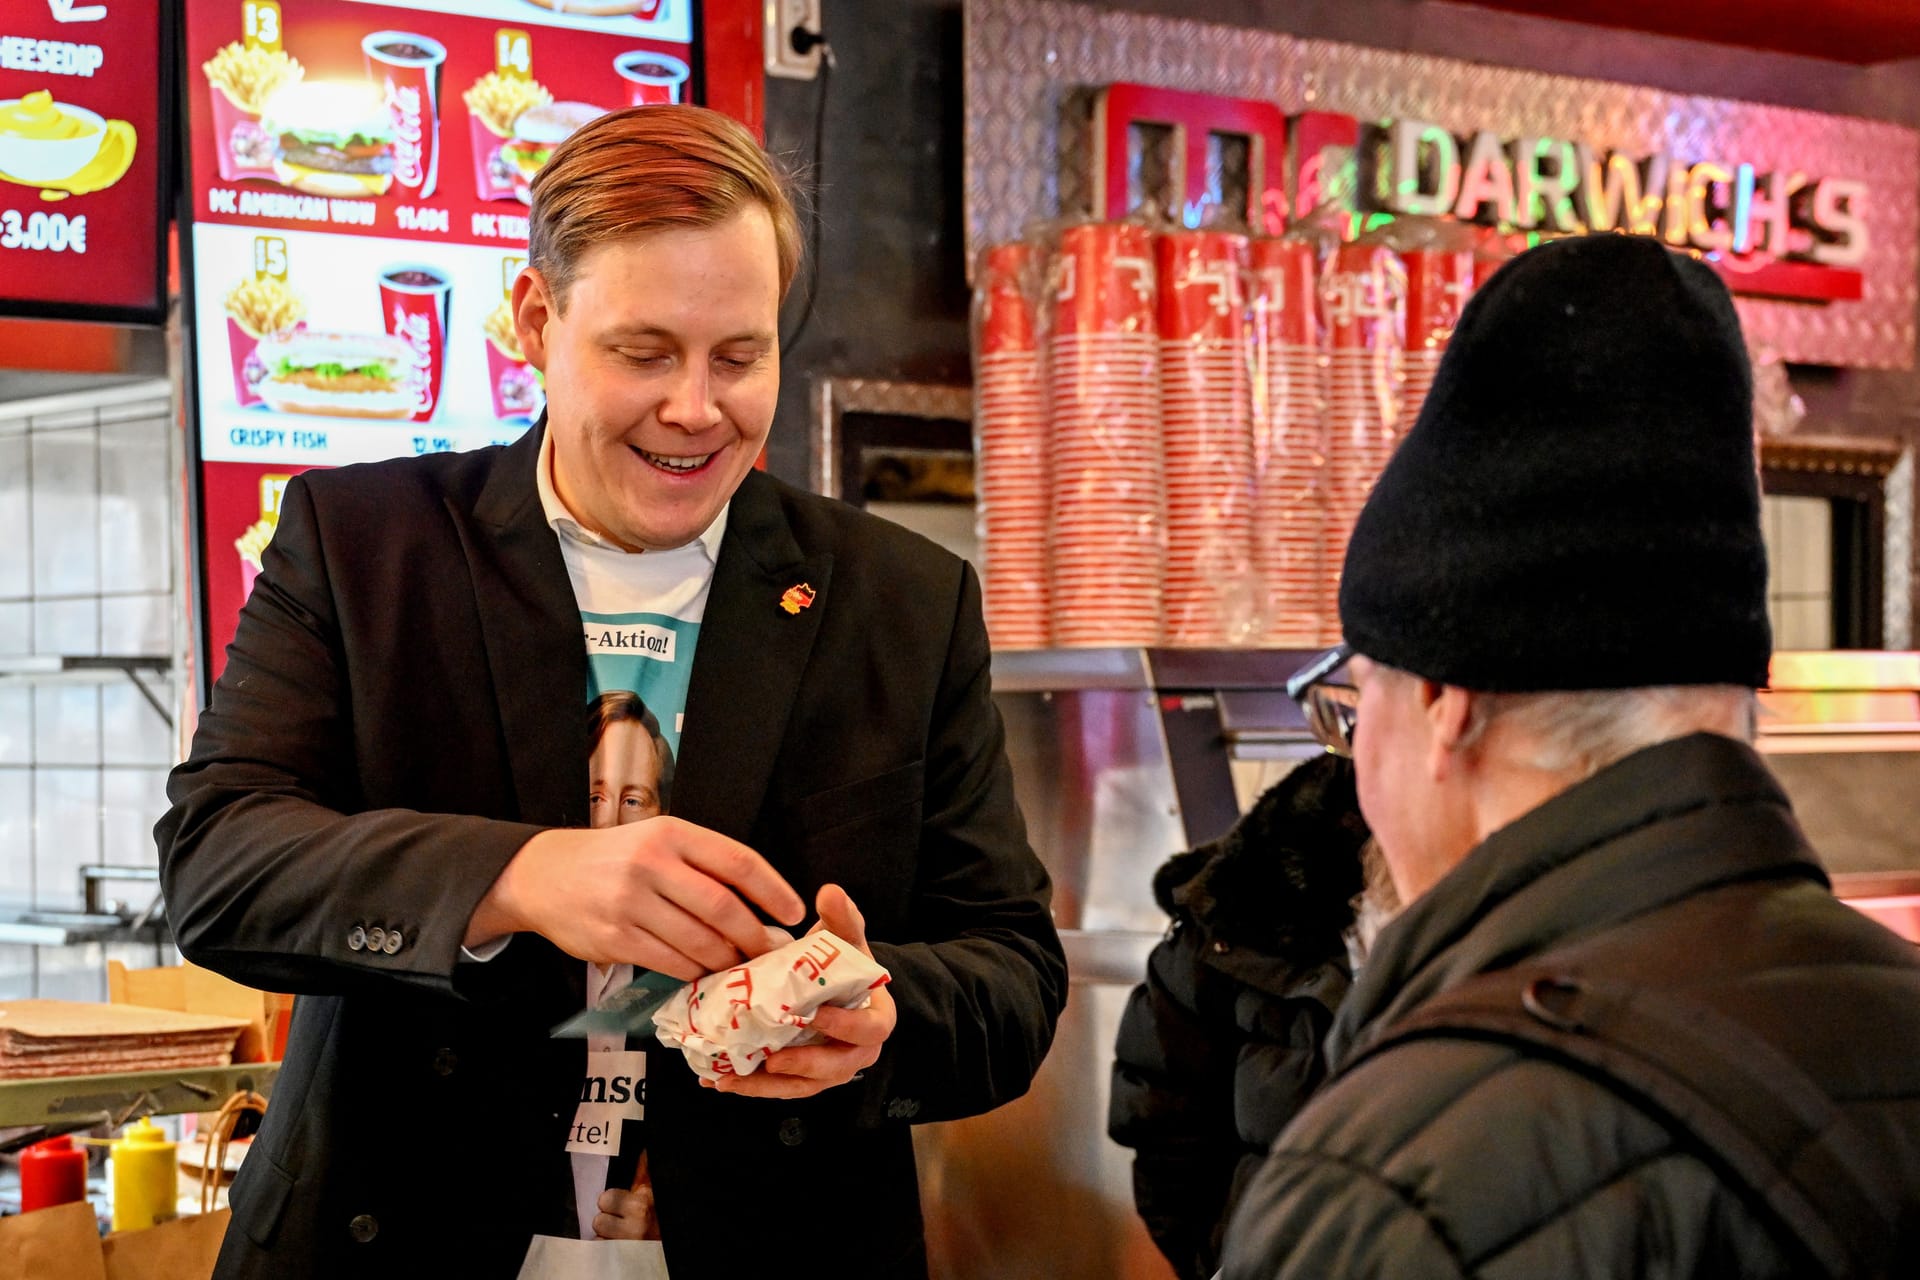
387	808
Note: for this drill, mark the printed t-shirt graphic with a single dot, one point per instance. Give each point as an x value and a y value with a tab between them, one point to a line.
638	669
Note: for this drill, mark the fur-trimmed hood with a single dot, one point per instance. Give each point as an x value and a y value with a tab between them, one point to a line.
1283	881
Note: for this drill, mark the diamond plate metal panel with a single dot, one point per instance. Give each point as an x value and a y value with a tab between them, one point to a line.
1030	64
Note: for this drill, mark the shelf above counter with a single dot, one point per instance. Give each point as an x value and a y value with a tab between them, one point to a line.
62	1104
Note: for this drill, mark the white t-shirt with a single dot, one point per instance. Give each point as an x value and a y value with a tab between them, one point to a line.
640	617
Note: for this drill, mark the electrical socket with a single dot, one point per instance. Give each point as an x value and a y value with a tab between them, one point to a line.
782	20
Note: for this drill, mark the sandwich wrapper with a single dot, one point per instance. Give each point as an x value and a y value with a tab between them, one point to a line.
728	1022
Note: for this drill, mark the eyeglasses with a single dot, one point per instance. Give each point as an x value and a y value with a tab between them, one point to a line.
1331	709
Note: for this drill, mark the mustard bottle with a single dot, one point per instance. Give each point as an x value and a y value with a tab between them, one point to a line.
145	1177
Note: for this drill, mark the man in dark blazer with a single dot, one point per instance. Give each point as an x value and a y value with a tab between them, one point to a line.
393	769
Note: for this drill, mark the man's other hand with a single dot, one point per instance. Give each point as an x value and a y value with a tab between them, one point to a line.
854	1036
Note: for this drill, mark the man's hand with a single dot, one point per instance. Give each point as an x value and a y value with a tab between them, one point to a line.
628	1215
854	1036
661	894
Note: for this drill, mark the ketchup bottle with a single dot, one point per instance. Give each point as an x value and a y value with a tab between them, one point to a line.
52	1172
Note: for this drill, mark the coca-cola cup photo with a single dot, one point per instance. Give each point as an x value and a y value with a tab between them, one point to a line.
406	67
652	78
414	299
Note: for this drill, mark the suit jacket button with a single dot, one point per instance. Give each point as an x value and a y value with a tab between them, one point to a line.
376	939
444	1061
364	1228
356	939
793	1131
395	941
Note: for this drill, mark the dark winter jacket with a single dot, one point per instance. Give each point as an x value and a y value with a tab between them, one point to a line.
1679	870
1221	1045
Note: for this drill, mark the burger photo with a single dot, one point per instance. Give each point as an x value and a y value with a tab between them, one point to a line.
342	375
334	139
535	135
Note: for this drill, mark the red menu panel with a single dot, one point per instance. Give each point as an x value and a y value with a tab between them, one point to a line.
82	223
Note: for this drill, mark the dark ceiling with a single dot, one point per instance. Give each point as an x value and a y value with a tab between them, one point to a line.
1858	31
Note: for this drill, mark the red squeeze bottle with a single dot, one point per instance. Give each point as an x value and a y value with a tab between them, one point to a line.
52	1172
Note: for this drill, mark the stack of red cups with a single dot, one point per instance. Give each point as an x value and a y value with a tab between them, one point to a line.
1289	439
1010	426
1108	489
1212	591
1439	281
1363	296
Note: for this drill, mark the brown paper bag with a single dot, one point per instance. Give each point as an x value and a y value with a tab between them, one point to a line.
61	1243
184	1249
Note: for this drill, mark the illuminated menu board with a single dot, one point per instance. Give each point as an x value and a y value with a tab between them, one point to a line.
82	215
359	184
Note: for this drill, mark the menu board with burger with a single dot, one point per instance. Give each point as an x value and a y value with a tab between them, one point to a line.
82	214
360	178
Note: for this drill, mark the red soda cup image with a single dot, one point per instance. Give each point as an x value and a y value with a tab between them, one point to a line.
652	78
415	299
406	67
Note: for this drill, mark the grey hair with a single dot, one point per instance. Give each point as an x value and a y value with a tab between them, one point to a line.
1582	732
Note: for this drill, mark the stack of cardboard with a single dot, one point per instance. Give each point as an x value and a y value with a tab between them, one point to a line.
61	1037
188	988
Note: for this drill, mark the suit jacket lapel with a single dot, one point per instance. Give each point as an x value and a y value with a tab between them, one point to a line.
531	626
746	671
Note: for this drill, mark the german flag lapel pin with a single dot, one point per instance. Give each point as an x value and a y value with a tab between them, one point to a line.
797	598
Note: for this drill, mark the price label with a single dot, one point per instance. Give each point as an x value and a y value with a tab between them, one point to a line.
509	272
270	258
272	488
260	24
50	232
513	53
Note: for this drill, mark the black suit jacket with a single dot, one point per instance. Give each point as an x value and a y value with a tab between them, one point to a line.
403	707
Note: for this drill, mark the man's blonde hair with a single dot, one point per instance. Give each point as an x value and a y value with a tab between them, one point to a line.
645	169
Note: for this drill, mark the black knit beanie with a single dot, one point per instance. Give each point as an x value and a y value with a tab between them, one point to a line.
1577	505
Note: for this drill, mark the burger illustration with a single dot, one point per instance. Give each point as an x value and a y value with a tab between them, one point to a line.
333	138
535	135
342	375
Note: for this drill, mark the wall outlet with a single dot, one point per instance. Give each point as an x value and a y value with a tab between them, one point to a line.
785	20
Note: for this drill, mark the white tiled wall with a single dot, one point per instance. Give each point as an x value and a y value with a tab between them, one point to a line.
88	545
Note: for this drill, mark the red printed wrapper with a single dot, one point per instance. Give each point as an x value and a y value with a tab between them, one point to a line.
728	1022
1287	307
405	66
516	393
1010	442
229	122
1364	296
1212	594
1107	541
1104	280
1361	296
1200	276
1439	281
491	180
1290	440
652	79
415	298
1006	311
240	347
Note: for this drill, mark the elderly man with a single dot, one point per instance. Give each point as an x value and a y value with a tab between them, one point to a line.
1622	1027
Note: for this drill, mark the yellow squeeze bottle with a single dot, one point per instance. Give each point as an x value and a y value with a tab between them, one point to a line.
145	1177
